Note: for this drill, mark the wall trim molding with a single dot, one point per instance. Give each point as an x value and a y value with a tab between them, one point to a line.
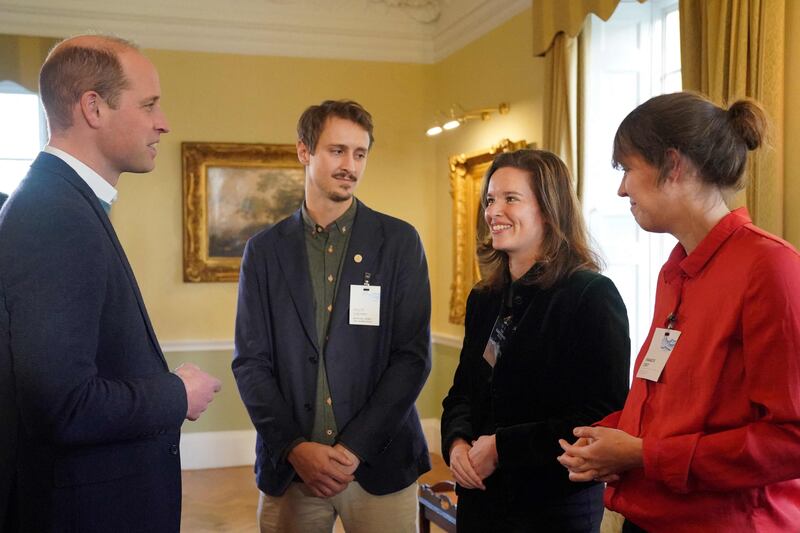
474	24
225	345
445	339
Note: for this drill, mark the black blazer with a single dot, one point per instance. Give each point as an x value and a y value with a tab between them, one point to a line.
98	411
375	373
566	365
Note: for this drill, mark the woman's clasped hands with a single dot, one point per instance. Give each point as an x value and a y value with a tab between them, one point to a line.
470	464
600	454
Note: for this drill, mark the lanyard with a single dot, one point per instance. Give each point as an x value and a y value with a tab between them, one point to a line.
672	318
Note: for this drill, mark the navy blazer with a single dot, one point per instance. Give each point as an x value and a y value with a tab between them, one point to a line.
375	373
97	410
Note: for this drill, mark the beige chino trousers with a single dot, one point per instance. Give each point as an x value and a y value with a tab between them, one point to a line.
298	511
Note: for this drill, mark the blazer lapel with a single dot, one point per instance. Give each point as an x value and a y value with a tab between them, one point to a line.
65	171
361	257
291	252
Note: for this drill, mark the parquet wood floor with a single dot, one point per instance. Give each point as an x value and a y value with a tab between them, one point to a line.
224	500
219	500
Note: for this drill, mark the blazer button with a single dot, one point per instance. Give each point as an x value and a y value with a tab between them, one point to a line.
173	449
313	360
307	406
518	300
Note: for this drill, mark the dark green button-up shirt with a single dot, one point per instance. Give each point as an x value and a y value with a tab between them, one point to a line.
325	248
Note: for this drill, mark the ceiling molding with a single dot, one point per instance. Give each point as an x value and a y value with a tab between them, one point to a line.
366	30
475	23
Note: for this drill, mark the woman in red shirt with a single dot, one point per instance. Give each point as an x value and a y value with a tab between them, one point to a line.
709	438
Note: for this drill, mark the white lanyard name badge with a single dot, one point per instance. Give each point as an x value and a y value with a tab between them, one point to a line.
664	341
365	304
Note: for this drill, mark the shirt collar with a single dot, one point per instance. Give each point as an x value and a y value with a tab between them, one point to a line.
100	187
342	224
694	263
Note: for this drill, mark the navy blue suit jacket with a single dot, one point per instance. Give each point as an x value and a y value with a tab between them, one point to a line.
97	410
375	373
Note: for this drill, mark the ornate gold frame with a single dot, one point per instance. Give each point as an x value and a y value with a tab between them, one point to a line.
466	177
197	158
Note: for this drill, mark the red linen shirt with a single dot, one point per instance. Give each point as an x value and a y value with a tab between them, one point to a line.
721	427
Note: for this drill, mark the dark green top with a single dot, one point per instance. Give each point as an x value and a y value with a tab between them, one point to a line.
325	248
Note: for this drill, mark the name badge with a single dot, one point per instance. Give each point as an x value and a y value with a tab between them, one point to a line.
365	305
664	341
490	352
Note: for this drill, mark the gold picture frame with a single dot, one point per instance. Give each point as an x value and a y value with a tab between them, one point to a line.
466	177
231	191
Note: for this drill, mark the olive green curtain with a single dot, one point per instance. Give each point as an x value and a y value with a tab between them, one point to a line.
21	57
732	49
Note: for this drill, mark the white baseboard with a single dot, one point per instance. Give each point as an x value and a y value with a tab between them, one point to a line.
218	449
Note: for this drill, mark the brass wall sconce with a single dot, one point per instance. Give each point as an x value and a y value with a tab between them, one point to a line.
457	116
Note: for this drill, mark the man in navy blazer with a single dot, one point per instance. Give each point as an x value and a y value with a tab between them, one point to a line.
333	346
86	389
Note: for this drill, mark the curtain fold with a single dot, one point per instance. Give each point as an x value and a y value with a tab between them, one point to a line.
732	49
561	116
551	17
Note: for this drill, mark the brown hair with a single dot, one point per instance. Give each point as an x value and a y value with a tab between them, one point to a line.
716	140
72	69
313	119
565	245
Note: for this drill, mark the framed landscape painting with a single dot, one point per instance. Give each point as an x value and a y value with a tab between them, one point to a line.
231	192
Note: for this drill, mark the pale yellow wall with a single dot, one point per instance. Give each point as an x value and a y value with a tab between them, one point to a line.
792	125
497	68
232	98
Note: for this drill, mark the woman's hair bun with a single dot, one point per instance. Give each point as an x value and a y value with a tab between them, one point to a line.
749	122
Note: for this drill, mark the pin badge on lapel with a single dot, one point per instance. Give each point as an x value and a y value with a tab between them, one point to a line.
358	258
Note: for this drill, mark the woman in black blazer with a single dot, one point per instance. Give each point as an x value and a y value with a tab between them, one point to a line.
546	349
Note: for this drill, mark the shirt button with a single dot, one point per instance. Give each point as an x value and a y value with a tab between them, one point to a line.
330	278
330	308
329	401
319	229
330	249
329	432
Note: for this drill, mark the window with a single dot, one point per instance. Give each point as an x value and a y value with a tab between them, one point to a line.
633	56
22	133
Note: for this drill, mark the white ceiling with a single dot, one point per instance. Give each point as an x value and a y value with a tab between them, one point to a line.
416	31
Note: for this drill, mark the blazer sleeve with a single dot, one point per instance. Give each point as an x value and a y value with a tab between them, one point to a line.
599	356
56	291
254	361
373	428
456	416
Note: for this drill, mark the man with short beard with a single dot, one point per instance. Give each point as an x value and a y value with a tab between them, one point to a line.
333	346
